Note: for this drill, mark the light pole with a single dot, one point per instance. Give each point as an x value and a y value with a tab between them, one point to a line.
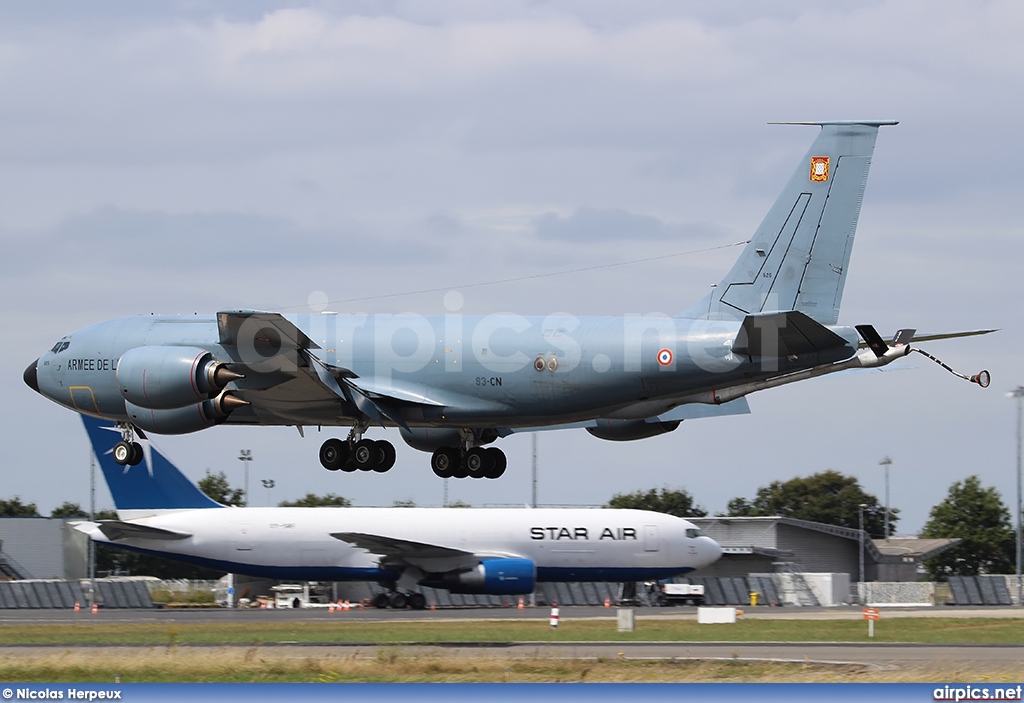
246	456
886	462
860	591
1018	393
268	483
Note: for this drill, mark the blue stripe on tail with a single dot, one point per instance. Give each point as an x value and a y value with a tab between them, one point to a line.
155	484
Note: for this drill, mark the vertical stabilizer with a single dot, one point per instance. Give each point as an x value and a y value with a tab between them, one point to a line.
799	256
155	484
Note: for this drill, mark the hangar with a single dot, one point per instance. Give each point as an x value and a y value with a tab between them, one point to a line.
763	544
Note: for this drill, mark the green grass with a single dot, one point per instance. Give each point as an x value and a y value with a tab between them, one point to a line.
922	630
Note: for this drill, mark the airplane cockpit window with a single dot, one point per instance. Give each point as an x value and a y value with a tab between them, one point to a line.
694	533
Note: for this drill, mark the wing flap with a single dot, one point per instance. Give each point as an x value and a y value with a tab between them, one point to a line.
401	549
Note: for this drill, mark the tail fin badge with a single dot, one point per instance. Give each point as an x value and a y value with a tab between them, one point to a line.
819	168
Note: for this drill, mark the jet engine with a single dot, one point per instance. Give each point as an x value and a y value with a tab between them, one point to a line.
184	420
626	430
497	577
162	378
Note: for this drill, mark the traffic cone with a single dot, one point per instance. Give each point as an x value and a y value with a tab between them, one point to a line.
95	608
554	616
330	607
433	605
338	609
78	607
522	604
607	602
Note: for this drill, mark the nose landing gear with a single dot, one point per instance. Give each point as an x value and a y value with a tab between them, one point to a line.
127	452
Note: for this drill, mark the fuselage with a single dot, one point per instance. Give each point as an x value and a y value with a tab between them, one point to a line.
296	543
443	371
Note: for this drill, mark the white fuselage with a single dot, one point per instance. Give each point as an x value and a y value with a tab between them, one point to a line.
296	543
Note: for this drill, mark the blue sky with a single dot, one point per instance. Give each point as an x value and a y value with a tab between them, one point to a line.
191	156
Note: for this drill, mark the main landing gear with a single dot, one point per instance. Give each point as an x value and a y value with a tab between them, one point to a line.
127	452
361	455
478	462
400	601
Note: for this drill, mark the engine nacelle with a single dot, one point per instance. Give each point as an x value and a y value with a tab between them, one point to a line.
162	378
496	577
427	439
627	430
184	420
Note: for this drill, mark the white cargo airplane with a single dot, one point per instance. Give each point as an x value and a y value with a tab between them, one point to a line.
466	550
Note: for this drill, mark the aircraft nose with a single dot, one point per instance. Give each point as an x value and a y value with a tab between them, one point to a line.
710	550
31	377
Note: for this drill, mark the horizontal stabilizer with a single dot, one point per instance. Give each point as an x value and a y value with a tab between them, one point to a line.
904	337
115	530
782	334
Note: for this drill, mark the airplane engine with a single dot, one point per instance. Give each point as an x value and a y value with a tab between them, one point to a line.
161	378
427	439
627	430
184	420
496	577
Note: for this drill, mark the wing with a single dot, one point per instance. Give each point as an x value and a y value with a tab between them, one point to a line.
315	388
428	557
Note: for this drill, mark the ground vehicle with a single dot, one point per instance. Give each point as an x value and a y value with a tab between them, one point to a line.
298	595
680	594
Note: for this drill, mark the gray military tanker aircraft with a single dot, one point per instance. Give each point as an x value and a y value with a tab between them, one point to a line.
454	384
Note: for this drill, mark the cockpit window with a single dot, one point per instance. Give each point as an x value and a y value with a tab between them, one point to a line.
61	346
693	533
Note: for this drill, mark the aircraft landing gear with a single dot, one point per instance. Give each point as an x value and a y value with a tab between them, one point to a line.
128	452
362	455
399	600
478	462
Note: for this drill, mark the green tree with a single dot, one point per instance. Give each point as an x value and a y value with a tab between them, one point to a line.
15	508
676	502
827	497
217	488
459	504
68	509
978	517
407	503
311	500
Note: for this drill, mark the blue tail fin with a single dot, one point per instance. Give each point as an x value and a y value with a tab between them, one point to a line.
155	484
799	256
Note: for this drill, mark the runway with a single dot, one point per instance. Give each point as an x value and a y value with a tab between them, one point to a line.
871	655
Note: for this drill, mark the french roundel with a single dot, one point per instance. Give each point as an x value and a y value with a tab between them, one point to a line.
665	357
